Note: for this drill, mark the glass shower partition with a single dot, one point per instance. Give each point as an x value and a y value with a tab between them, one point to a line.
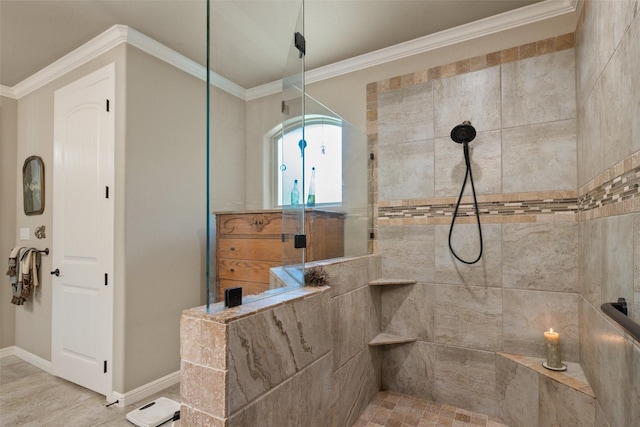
293	177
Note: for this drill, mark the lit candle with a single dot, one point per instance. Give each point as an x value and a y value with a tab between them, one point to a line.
553	349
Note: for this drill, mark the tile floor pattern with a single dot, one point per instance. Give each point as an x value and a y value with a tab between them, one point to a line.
398	410
32	397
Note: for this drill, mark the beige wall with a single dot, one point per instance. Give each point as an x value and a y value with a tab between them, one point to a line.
8	230
35	137
160	211
164	219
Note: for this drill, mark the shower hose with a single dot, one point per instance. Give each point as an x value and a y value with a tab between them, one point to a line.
468	174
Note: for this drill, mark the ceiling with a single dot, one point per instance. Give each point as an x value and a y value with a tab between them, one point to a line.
250	39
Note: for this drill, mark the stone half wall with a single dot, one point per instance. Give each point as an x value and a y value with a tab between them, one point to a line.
298	357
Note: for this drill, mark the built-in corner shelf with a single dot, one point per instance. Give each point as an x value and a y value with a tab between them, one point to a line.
386	339
391	282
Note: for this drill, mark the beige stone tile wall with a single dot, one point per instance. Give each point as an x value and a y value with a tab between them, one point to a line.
299	357
557	171
522	103
608	123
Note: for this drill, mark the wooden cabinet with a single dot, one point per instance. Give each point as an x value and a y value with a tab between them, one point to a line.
250	243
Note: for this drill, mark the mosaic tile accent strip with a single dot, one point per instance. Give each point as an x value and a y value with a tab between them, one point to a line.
522	207
621	188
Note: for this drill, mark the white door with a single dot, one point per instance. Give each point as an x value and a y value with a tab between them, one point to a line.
83	231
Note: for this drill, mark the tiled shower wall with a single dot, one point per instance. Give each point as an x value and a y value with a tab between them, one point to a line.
608	100
557	169
522	103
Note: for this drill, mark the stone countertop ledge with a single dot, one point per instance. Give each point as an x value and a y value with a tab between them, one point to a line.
573	377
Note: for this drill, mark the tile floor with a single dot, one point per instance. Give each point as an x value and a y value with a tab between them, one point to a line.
32	397
398	410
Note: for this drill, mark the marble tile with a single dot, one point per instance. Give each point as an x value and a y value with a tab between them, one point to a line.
465	241
591	161
192	417
539	89
618	250
539	157
406	362
589	60
634	395
619	128
466	378
591	261
267	348
592	329
348	275
469	316
204	388
541	256
407	252
405	114
473	97
616	394
600	420
634	309
309	389
517	393
409	310
405	171
527	314
354	322
353	386
560	405
485	153
614	19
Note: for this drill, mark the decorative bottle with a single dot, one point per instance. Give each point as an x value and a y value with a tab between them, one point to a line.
311	199
295	194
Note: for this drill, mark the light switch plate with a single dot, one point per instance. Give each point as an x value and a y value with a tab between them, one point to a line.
24	233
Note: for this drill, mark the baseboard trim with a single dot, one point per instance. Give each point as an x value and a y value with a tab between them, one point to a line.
146	390
36	361
7	351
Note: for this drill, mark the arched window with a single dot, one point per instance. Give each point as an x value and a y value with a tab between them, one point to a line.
323	151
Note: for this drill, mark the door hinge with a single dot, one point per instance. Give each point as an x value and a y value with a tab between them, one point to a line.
107	105
300	241
106	279
106	192
300	43
105	367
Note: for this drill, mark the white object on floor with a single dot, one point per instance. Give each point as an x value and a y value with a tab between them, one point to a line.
154	413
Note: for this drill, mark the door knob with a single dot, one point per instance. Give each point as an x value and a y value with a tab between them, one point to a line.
56	272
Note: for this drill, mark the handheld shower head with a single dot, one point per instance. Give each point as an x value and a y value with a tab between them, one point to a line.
463	133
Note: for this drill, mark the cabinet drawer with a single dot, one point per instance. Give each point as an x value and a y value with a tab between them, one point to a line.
255	224
250	271
248	288
258	249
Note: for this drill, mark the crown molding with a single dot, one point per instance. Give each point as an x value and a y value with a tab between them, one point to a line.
123	34
494	24
109	39
7	92
88	51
